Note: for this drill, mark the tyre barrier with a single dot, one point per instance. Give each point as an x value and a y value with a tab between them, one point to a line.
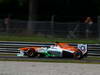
11	47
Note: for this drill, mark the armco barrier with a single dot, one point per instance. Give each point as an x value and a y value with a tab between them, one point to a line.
94	49
11	47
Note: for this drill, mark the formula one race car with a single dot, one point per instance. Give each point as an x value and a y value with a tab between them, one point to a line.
56	50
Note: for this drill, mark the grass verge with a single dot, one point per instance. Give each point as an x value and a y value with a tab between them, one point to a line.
46	39
88	60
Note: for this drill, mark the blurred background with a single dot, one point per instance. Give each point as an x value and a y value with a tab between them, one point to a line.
56	18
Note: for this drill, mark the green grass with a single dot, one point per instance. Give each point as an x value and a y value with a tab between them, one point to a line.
88	60
83	61
46	39
49	61
7	54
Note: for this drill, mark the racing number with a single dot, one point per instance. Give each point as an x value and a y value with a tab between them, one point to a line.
83	48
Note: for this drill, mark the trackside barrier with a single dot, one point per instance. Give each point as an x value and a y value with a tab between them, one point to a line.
11	47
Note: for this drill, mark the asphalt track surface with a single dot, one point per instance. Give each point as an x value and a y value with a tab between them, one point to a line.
41	68
47	68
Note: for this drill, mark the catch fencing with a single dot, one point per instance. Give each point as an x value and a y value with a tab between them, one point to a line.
71	30
12	47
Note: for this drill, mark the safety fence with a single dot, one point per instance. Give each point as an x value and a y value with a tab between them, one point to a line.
50	28
11	47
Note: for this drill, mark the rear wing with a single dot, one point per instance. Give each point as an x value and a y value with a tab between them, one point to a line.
83	48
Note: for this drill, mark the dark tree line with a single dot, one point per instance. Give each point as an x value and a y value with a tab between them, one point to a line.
62	9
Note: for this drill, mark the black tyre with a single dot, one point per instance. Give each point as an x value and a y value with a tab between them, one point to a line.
31	53
86	55
78	55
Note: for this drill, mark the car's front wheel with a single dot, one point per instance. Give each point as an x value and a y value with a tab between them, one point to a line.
31	53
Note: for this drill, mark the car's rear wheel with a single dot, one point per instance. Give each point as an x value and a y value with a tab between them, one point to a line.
78	55
31	53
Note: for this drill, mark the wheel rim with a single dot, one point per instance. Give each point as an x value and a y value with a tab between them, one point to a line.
30	53
77	55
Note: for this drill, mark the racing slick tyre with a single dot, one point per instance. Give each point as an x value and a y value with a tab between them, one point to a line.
31	53
86	55
78	55
66	54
